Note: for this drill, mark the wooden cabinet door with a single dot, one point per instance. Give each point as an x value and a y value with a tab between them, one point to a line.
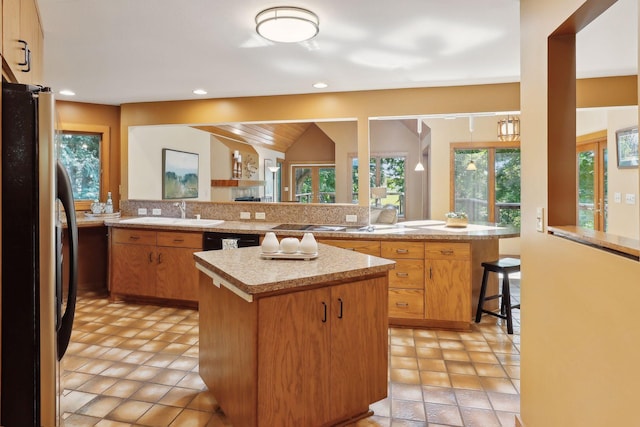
359	334
368	247
177	276
448	293
133	269
294	359
31	32
11	34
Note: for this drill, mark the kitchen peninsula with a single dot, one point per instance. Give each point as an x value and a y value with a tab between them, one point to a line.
293	342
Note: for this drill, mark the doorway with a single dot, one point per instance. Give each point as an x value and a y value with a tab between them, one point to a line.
591	166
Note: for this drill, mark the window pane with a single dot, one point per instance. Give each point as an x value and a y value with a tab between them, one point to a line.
508	186
471	186
304	188
80	155
392	176
327	185
354	180
586	189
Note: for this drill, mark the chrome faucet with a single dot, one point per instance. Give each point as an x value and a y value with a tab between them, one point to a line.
183	208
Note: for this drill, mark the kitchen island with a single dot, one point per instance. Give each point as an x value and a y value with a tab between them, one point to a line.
293	342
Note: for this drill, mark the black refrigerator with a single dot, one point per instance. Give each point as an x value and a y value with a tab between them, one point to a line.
37	308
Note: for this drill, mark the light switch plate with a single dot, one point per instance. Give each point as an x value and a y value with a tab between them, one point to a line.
260	215
156	211
245	215
142	211
352	218
630	199
540	219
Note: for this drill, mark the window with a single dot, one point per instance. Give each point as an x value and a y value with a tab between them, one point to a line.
84	152
491	191
385	170
315	184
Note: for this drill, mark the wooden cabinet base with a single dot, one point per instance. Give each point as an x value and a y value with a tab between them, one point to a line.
430	323
164	302
310	358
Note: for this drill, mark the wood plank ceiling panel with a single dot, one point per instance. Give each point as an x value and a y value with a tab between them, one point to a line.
275	136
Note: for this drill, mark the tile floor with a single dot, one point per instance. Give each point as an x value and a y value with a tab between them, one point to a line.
137	365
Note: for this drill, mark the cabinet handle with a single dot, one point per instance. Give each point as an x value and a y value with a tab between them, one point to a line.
178	240
446	251
402	251
134	237
340	312
402	304
402	274
430	273
324	314
160	258
150	257
27	56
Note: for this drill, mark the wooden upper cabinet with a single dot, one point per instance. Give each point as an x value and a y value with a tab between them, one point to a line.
20	21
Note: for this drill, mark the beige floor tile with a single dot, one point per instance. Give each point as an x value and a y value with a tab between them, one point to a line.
129	411
191	418
443	414
159	416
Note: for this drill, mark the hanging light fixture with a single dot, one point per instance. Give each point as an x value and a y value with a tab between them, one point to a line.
419	167
509	128
471	166
287	24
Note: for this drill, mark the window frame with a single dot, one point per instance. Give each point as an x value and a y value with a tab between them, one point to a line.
491	148
105	158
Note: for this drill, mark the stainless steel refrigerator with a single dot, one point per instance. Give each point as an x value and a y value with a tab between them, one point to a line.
37	308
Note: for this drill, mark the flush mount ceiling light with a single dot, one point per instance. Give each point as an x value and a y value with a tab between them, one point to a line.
509	129
287	24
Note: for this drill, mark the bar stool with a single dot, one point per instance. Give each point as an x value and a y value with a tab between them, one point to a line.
504	266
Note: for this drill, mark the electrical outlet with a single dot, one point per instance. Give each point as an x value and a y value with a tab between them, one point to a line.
142	211
352	218
617	197
245	215
156	211
630	199
260	215
540	219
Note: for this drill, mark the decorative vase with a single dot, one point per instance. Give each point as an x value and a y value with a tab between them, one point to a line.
289	245
308	244
457	222
270	243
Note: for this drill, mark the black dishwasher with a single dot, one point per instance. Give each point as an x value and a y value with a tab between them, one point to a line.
212	240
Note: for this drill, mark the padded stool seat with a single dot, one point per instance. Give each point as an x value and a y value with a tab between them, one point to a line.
505	266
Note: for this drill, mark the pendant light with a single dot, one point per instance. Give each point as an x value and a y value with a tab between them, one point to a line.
471	166
419	167
509	128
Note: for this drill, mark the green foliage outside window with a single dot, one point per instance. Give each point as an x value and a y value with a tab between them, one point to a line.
80	155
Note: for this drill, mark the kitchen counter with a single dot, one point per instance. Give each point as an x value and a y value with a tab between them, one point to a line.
273	332
412	230
269	276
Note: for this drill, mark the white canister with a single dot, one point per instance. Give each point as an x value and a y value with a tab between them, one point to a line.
270	243
289	245
308	244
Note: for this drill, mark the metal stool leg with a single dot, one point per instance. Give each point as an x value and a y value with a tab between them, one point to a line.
506	301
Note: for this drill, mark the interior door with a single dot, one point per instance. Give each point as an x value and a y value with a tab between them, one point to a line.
315	184
591	158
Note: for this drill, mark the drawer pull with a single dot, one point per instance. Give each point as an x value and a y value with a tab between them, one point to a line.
402	251
324	312
402	304
134	237
178	240
446	251
150	257
402	274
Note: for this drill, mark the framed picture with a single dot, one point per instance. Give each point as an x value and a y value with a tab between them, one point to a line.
179	174
627	147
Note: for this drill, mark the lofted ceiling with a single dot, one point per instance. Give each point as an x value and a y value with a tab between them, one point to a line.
274	136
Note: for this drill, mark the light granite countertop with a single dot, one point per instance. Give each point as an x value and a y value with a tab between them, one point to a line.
247	273
411	230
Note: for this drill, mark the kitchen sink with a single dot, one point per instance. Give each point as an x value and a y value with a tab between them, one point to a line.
164	221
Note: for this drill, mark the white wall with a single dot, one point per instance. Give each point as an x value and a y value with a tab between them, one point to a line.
145	158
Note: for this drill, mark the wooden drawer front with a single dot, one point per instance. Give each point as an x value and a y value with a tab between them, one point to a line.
180	240
368	247
399	250
406	303
409	273
134	237
448	250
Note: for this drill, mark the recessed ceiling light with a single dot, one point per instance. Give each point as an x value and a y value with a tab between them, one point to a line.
67	92
199	91
320	85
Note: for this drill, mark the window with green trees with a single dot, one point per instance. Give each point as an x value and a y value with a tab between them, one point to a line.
486	182
79	153
385	170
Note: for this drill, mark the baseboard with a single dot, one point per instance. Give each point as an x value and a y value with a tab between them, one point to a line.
519	422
